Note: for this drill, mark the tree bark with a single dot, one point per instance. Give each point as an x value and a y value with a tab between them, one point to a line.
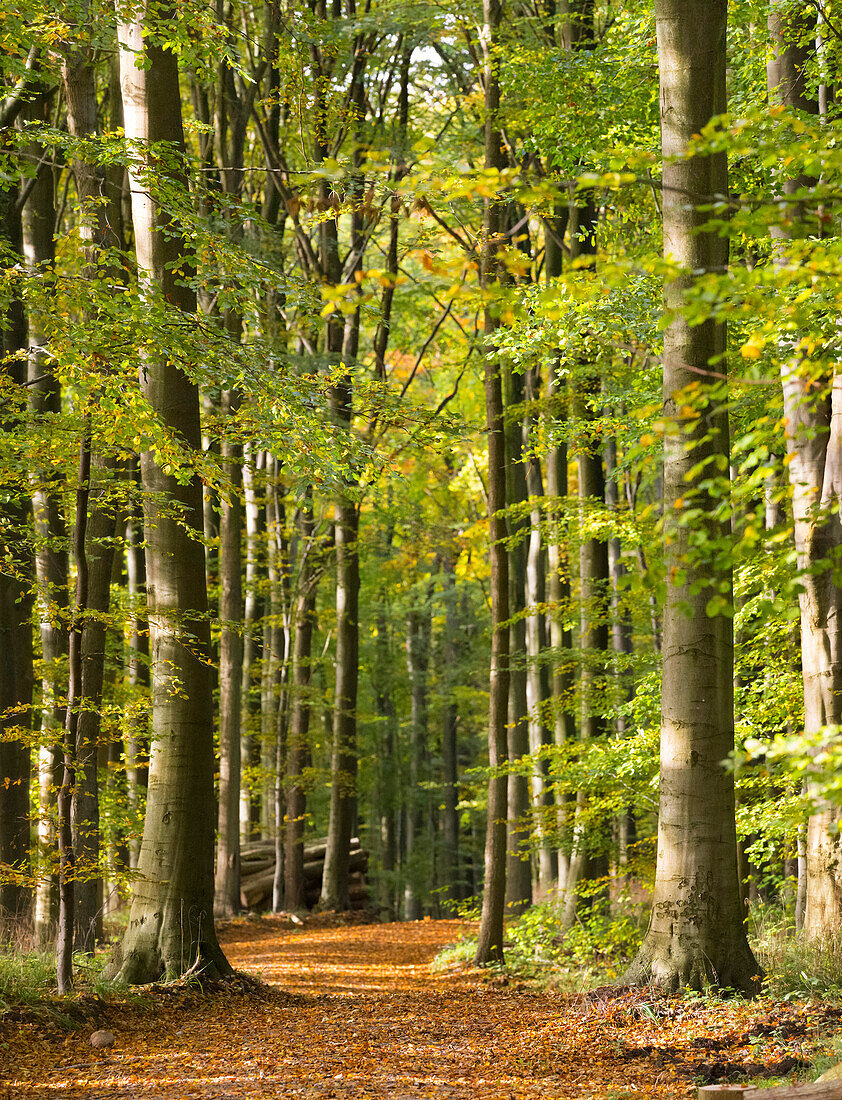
416	867
44	390
171	929
16	668
538	695
518	825
490	938
342	339
252	608
450	863
696	935
812	408
299	723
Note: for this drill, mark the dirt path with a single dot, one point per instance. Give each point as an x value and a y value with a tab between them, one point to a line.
358	1012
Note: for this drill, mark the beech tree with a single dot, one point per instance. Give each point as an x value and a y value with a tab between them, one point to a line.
696	934
171	927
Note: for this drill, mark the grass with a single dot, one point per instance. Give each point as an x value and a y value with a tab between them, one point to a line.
538	947
795	967
28	977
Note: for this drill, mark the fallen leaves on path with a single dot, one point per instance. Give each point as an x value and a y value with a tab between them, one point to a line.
357	1011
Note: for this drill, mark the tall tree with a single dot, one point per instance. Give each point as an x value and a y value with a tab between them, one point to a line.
696	934
16	667
96	219
812	404
490	941
171	928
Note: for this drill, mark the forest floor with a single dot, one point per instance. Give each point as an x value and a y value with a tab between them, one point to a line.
357	1010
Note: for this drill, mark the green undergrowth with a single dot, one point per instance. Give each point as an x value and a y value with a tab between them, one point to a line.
29	977
539	946
597	947
795	968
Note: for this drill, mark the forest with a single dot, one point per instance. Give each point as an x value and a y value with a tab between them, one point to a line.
420	487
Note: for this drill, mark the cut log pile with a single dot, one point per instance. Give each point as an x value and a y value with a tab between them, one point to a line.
257	873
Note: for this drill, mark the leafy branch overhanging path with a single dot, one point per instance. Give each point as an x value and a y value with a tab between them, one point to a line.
357	1011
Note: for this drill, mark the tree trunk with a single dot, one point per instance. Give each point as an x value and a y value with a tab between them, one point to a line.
621	635
417	890
16	668
343	766
137	670
449	861
96	220
490	939
171	929
299	724
561	641
249	695
518	825
227	885
537	670
44	390
696	935
812	408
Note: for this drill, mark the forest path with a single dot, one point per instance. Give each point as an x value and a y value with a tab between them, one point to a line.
357	1011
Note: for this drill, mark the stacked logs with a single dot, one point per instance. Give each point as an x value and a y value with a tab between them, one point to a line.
257	873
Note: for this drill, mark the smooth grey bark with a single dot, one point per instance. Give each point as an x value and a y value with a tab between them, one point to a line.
621	636
696	935
272	661
301	704
171	929
558	585
227	881
518	823
234	101
66	840
387	779
96	218
50	529
490	936
416	846
255	515
449	861
812	407
16	668
342	345
137	666
538	693
286	552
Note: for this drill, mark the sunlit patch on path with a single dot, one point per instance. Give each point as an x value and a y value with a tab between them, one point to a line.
358	1012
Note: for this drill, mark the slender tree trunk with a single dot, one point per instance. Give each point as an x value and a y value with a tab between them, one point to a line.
250	697
417	847
137	671
67	848
558	583
696	935
518	824
621	636
812	408
490	940
449	861
343	794
16	667
299	725
96	220
537	671
44	390
227	885
171	929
